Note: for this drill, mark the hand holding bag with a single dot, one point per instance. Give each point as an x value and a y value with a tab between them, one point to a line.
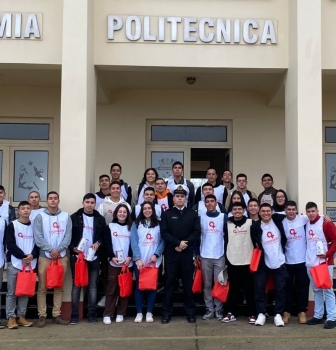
81	272
54	274
221	291
255	260
25	282
148	277
321	276
125	282
198	281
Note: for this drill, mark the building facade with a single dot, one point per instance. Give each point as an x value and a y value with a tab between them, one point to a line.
85	83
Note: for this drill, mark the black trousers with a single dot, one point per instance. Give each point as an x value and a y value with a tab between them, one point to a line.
298	278
240	277
280	277
176	263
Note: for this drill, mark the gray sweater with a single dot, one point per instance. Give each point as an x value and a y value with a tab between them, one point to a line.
42	243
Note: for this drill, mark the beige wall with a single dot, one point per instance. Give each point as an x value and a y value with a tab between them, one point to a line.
186	55
328	34
258	131
35	102
48	50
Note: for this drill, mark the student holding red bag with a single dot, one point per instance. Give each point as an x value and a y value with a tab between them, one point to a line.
21	250
211	254
268	235
117	242
324	233
52	234
86	223
147	247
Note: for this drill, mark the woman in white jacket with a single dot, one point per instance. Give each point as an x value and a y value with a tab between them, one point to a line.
147	247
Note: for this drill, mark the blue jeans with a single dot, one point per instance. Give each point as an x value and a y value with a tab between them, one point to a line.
321	295
93	267
151	295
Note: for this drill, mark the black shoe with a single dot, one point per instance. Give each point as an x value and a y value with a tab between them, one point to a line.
191	319
314	321
92	317
330	324
165	320
1	326
74	319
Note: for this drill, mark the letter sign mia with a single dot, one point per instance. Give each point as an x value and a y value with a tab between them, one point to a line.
20	25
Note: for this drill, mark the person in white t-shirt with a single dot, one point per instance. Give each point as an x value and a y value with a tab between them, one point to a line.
21	251
211	254
268	235
295	254
147	246
86	223
117	243
52	234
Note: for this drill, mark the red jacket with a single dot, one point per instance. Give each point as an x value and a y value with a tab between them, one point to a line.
329	230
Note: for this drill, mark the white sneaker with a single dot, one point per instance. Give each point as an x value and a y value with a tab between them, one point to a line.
138	318
101	302
149	317
260	320
278	321
107	320
120	318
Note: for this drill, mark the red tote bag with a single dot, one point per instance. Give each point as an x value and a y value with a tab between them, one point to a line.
25	282
148	278
55	274
81	272
321	276
198	281
255	260
125	282
220	291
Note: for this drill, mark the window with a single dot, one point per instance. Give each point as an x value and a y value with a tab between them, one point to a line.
1	156
30	174
330	134
195	133
21	131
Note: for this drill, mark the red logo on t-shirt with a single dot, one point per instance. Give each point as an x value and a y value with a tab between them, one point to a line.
311	233
212	224
56	225
149	236
115	234
292	232
163	207
110	211
20	234
270	234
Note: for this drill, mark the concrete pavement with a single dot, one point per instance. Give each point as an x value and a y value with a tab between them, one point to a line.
178	334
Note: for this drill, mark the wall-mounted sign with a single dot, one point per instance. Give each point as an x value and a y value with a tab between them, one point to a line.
122	28
20	25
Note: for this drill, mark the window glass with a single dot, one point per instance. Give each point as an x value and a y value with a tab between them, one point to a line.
196	133
1	167
30	174
330	135
17	131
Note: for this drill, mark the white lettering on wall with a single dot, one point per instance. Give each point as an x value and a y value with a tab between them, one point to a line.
20	25
171	29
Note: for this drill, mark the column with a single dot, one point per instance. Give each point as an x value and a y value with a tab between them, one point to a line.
304	173
78	113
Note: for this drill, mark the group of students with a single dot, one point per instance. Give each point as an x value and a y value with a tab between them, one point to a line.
219	226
